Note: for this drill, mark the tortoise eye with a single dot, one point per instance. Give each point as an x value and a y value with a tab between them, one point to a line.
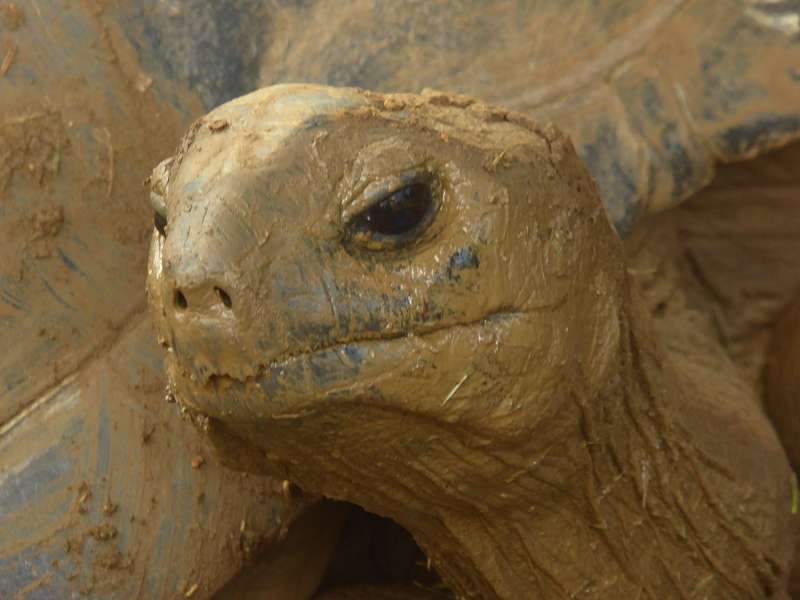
396	214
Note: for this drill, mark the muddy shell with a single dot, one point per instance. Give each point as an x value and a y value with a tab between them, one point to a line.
654	94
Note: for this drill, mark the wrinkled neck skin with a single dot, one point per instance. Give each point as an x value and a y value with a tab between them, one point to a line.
644	489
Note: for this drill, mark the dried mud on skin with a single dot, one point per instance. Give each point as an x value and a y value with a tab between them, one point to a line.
83	188
623	412
119	510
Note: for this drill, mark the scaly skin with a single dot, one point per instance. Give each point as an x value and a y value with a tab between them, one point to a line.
490	380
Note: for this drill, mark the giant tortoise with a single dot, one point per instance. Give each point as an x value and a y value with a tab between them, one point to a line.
548	411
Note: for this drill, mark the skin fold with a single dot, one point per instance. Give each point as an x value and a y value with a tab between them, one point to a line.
489	379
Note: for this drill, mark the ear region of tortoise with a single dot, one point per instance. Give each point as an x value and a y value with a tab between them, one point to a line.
318	247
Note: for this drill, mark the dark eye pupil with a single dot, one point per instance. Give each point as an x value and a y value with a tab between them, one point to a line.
160	222
397	213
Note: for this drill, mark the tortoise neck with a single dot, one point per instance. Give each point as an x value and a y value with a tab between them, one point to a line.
631	502
542	527
628	484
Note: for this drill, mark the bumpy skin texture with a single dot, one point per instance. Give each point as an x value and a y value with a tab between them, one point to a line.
493	385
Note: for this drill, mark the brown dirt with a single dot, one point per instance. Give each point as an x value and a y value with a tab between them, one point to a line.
706	306
13	16
77	138
60	151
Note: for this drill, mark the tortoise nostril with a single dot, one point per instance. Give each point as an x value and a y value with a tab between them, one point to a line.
180	300
224	297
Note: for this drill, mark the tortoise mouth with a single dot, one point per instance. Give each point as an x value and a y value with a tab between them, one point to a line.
333	368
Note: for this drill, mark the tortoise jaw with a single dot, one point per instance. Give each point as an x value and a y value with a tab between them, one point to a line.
349	370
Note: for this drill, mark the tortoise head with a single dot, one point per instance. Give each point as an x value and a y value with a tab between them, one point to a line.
359	285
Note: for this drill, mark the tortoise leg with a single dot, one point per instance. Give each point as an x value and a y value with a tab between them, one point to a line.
782	402
378	592
783	382
292	570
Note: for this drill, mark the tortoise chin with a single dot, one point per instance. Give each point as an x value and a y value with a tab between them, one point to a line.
404	371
